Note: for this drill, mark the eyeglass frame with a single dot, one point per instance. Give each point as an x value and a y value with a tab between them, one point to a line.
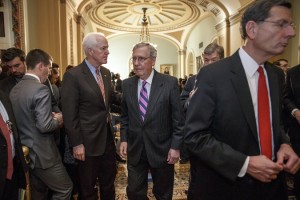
139	59
281	24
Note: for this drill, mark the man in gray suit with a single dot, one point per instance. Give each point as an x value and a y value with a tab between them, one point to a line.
31	101
151	126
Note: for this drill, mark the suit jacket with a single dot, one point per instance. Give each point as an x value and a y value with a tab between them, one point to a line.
221	128
32	107
184	96
162	128
20	166
292	101
7	84
85	113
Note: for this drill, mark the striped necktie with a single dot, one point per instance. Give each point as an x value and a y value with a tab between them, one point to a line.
100	83
143	101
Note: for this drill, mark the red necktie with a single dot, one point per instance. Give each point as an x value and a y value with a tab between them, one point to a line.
6	133
264	122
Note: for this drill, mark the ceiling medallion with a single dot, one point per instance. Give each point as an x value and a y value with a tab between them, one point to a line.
127	15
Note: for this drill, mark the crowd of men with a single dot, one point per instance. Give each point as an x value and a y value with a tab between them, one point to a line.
227	120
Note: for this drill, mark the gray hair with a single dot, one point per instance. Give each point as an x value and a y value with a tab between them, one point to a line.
151	48
90	41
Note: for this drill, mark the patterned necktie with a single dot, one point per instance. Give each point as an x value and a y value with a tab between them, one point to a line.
6	133
100	83
143	101
264	122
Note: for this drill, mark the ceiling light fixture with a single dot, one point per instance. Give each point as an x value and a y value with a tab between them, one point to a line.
145	36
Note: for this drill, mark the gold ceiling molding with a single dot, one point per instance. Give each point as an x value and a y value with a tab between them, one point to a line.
127	15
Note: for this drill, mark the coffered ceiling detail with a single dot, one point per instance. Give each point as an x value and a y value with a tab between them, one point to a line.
163	16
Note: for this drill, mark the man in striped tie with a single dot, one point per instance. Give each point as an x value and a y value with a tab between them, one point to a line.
151	126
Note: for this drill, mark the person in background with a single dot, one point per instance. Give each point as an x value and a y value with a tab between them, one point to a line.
212	53
291	107
31	101
86	95
56	74
118	85
233	130
13	166
14	59
283	64
151	126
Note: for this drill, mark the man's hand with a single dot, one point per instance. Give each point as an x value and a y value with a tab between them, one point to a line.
59	118
123	149
173	156
297	115
288	159
263	169
79	152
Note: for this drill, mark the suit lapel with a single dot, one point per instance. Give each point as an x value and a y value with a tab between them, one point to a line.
107	84
133	96
157	83
273	90
91	80
241	86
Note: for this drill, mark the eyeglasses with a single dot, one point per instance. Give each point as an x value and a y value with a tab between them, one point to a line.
281	24
139	59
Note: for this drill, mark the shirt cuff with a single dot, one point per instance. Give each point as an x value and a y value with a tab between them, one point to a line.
244	168
293	111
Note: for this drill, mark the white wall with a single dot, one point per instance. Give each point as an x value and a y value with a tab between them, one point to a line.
200	34
120	48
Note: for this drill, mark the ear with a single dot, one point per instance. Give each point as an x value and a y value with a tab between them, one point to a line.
91	51
40	66
251	29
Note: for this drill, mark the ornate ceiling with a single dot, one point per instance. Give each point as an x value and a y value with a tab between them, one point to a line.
115	16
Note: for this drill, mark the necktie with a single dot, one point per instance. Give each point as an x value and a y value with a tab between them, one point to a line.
6	133
264	121
100	83
143	101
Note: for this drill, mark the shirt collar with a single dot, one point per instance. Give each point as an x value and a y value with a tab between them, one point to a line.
249	64
149	79
33	75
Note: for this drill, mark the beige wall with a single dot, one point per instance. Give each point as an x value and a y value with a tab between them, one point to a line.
55	27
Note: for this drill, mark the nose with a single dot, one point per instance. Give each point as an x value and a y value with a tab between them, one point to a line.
291	31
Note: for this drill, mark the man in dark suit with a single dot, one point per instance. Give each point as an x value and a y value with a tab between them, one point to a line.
236	138
292	106
31	101
86	95
151	140
212	53
14	59
9	185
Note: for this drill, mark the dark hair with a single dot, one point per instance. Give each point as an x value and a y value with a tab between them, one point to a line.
214	47
69	67
11	53
54	65
36	56
259	11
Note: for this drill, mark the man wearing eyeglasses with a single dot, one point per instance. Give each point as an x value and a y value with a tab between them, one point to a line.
151	126
238	146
